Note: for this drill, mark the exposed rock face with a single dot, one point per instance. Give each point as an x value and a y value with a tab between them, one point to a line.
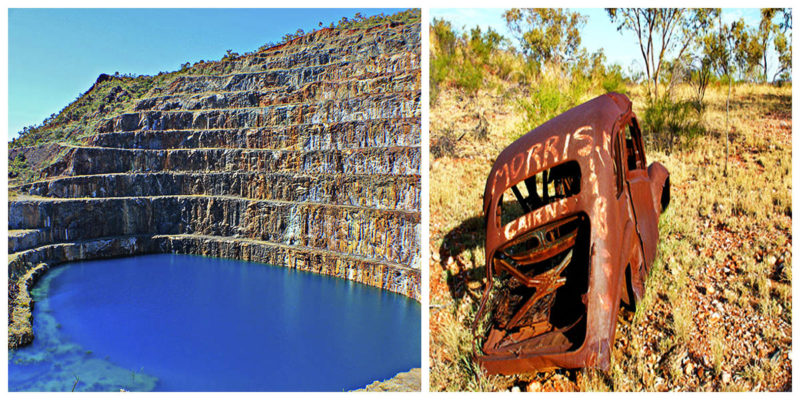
305	155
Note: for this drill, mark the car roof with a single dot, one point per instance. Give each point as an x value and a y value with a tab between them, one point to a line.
595	118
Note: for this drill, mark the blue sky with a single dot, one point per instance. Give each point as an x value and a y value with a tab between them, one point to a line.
620	48
54	55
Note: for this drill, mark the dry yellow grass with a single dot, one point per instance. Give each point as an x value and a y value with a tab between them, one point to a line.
717	312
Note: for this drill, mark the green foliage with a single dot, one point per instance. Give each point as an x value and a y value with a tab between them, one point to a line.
783	47
662	32
18	168
466	60
549	98
546	34
483	45
468	77
717	48
409	16
767	30
749	46
477	60
613	80
105	99
669	122
443	44
442	37
231	55
700	75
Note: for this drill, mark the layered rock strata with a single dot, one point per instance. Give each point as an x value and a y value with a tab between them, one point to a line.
304	155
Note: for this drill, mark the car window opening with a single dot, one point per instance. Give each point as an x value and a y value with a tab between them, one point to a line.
538	190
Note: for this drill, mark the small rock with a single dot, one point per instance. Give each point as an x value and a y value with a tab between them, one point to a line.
771	260
726	378
714	317
515	389
535	387
689	369
729	294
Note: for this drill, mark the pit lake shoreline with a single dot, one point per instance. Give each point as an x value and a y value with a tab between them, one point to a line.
292	289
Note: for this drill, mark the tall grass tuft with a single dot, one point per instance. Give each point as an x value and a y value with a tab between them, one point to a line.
671	122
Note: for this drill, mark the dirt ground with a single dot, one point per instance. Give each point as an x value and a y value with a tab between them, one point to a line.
718	309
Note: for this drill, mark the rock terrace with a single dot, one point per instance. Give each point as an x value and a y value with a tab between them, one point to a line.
305	155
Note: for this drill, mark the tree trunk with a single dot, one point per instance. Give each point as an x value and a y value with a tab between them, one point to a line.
655	88
727	126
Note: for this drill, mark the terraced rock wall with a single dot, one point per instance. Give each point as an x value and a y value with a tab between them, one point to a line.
305	155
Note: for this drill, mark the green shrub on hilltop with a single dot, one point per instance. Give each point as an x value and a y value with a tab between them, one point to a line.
109	96
412	15
358	21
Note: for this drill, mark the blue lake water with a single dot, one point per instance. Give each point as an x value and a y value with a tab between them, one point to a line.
173	322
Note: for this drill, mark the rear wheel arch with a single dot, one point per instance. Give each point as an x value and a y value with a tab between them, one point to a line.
665	195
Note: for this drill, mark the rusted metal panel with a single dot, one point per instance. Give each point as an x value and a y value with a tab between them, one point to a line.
571	230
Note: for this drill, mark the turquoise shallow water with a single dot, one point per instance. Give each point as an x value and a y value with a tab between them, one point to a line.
187	323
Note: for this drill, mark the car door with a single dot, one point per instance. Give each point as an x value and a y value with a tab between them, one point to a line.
638	183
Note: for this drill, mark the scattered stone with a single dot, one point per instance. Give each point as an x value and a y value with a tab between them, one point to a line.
534	387
714	317
771	259
689	369
726	377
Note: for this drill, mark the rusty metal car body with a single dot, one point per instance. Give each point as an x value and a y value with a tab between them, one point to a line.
573	237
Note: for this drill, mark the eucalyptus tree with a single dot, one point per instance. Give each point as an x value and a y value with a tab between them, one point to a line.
767	30
661	33
783	45
746	51
546	35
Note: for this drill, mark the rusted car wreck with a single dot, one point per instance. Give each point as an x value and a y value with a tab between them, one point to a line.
571	231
